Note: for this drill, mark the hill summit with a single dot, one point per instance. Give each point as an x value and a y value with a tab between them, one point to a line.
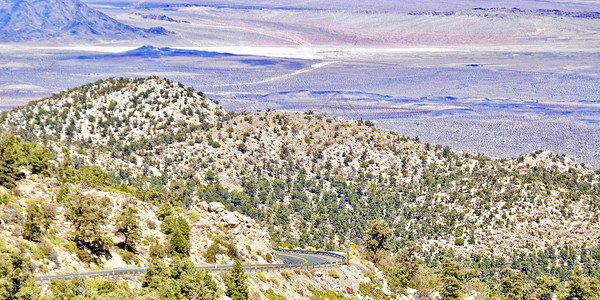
42	20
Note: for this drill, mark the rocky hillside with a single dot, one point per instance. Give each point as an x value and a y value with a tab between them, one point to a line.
232	235
311	179
57	219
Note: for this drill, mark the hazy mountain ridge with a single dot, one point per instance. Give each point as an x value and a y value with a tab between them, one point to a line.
66	20
505	12
156	52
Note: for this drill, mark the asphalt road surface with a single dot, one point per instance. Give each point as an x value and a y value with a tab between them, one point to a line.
289	260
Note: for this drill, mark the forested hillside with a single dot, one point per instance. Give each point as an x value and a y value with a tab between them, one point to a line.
316	181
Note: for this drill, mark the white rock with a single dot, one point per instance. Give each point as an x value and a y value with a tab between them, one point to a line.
436	295
216	207
203	206
473	295
231	219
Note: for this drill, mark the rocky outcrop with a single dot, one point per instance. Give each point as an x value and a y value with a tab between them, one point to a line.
252	241
216	207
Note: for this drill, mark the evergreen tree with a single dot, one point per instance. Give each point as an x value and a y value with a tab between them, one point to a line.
580	288
39	216
127	224
512	285
180	236
16	278
237	289
377	239
546	286
31	228
87	215
452	281
14	154
164	211
180	280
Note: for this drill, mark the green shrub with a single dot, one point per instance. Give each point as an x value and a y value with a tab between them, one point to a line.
274	280
261	276
327	295
274	296
4	199
371	290
156	250
128	257
459	242
211	253
71	246
287	274
210	175
334	273
193	217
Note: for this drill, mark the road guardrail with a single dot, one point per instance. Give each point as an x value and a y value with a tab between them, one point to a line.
128	273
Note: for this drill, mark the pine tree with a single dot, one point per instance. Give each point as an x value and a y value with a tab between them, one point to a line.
546	286
38	216
512	285
87	216
180	280
127	225
236	282
14	153
377	239
580	288
180	236
31	229
452	284
16	278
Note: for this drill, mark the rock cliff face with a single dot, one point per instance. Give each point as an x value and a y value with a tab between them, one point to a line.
208	223
41	20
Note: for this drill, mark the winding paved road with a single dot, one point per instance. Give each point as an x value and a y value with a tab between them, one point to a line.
290	259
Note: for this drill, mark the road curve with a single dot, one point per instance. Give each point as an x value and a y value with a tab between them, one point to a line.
290	259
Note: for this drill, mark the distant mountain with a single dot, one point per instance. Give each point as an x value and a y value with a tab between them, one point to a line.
41	20
155	52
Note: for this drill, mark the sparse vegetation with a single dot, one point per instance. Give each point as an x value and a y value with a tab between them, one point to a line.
310	179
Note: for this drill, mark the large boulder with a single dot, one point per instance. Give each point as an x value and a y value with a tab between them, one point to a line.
231	219
216	207
203	206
